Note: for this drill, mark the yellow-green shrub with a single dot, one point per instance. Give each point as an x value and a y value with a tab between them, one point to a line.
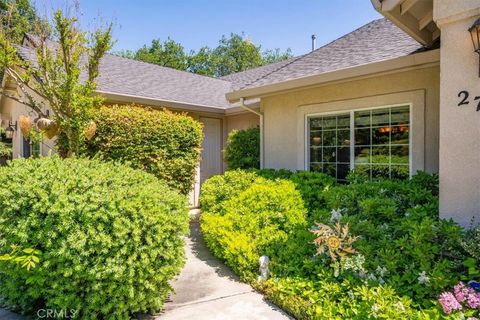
110	237
163	143
257	221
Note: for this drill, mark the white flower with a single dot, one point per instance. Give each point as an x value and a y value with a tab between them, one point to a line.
423	278
400	306
382	271
350	294
382	190
336	215
371	277
384	226
375	310
407	214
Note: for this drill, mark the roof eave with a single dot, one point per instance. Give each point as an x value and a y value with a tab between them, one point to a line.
422	59
114	97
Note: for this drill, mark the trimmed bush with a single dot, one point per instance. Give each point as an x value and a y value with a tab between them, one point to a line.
163	143
243	149
257	221
110	237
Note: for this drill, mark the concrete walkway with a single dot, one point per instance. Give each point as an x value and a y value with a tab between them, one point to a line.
207	289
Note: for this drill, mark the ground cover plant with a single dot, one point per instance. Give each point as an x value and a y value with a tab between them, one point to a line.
98	238
362	250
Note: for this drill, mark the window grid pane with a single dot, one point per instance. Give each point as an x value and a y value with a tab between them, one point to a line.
380	147
385	151
330	145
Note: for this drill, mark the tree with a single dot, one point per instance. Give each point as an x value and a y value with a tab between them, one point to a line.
272	56
167	54
236	54
233	54
54	79
23	18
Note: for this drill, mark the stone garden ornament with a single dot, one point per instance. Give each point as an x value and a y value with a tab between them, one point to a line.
264	271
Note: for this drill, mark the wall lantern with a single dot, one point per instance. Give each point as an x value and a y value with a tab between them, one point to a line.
10	130
475	34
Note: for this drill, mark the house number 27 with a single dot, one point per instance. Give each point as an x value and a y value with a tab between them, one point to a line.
463	95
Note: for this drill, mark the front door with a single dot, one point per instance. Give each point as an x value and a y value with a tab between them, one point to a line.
211	157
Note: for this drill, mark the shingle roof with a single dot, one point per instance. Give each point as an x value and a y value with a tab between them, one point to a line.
376	41
131	77
242	79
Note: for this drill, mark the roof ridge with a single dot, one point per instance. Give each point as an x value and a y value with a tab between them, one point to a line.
269	73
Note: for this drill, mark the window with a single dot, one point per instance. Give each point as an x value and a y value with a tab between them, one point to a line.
372	141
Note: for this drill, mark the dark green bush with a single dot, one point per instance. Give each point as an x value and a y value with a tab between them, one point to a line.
243	149
110	237
163	143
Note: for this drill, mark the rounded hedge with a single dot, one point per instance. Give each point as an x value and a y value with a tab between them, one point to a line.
243	149
111	237
259	220
163	143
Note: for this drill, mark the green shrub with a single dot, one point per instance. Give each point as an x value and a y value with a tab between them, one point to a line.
243	149
405	255
312	185
257	221
110	237
218	189
163	143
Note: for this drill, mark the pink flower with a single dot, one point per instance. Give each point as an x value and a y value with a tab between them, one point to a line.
472	318
468	295
460	291
449	302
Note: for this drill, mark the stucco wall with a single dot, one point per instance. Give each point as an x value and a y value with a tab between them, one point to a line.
241	121
285	114
459	125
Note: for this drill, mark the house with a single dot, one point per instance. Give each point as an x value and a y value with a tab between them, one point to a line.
395	96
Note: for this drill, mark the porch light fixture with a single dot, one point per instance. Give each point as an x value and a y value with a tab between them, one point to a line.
10	130
475	34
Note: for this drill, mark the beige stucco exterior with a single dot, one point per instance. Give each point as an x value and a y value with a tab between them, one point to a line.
459	125
285	114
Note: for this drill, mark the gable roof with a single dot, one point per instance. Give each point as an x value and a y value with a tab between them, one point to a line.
376	41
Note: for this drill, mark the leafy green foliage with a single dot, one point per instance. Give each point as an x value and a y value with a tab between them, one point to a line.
235	53
163	143
110	237
60	66
257	221
243	149
5	148
27	258
20	17
405	256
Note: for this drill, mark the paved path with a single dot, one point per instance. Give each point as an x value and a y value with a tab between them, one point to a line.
207	289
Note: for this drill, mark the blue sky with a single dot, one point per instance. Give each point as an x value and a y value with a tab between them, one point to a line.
194	23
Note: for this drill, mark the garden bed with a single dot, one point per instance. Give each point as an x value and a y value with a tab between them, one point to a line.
365	250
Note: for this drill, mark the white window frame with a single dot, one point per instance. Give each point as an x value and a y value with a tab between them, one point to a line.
352	132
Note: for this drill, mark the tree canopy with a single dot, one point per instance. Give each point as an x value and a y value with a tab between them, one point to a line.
235	53
54	81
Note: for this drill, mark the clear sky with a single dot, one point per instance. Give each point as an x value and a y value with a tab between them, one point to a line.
194	23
